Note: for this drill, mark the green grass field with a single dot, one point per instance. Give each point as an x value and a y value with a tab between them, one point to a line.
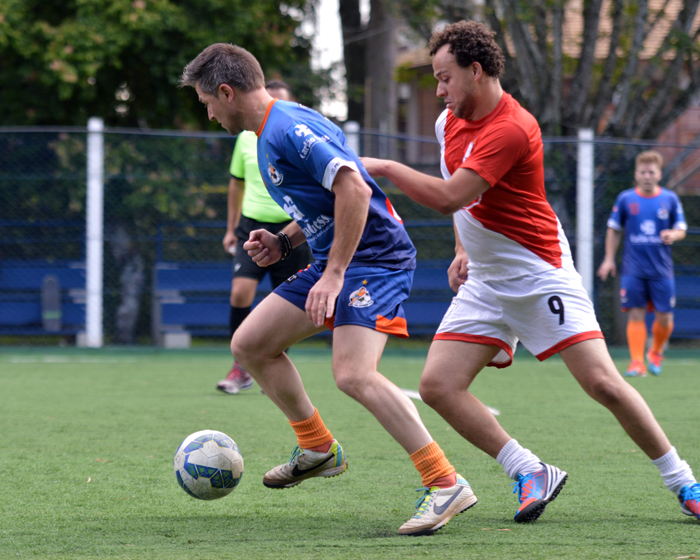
89	437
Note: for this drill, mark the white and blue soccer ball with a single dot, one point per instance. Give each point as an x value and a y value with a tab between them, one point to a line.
208	465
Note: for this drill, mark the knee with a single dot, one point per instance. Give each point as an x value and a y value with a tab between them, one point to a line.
605	388
245	347
238	345
348	382
431	390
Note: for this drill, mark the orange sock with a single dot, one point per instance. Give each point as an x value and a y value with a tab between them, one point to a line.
636	339
312	433
433	466
661	335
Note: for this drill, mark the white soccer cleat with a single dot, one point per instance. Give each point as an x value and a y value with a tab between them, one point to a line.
305	464
437	506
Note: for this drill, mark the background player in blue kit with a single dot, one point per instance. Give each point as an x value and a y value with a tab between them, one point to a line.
652	219
362	274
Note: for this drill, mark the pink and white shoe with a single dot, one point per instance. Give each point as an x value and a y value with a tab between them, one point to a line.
238	379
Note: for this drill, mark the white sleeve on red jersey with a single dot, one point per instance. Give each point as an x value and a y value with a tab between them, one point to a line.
440	135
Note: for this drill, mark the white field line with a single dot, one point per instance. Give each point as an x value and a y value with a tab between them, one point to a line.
416	395
68	360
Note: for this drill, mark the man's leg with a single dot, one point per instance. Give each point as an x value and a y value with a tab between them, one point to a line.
449	371
591	365
636	341
242	295
259	344
356	374
661	331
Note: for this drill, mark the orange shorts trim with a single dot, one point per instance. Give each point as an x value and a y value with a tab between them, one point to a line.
479	339
568	342
396	326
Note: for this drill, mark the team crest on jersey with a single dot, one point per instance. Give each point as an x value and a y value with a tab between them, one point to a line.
275	176
648	227
662	213
361	297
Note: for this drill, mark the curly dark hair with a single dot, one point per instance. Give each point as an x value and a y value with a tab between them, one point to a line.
470	42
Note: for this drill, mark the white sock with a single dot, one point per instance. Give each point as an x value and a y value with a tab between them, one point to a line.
675	472
517	460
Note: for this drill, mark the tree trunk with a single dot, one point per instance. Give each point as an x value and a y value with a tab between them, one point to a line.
354	57
380	59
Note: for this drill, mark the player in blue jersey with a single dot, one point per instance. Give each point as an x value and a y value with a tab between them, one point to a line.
362	274
652	219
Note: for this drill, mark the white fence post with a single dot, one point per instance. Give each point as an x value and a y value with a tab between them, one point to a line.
584	208
94	231
352	134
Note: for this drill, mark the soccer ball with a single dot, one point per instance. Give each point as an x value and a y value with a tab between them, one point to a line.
208	465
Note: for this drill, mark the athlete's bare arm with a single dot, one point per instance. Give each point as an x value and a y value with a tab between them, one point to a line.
670	236
352	196
612	242
457	271
444	196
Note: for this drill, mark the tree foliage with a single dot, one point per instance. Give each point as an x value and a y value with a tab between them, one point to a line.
62	61
625	93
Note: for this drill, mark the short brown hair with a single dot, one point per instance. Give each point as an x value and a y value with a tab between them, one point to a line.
222	63
649	156
469	42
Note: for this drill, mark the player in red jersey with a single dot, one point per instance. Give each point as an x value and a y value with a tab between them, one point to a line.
513	273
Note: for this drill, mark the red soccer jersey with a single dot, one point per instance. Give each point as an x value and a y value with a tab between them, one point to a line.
510	230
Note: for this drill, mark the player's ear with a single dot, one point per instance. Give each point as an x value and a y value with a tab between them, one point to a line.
227	92
477	70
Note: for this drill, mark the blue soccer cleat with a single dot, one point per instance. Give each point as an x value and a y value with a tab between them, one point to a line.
536	490
689	498
636	369
655	360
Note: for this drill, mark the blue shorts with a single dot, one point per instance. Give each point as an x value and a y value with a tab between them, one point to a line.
655	294
371	296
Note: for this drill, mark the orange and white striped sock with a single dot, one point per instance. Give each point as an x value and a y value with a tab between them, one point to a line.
433	466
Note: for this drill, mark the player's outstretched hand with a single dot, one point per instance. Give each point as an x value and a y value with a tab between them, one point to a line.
320	303
263	247
607	267
457	271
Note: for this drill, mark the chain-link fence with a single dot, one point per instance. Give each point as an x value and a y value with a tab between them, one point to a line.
165	203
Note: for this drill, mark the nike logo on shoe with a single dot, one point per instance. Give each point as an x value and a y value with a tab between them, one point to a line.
296	471
440	509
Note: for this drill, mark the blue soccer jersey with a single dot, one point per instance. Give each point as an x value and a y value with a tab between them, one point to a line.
643	218
299	155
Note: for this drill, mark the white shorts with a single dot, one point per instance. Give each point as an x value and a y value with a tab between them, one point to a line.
547	312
